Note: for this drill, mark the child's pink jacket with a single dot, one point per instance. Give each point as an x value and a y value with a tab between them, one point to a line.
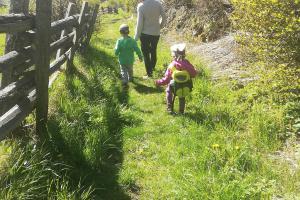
179	65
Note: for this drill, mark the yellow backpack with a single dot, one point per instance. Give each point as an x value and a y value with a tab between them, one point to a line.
182	83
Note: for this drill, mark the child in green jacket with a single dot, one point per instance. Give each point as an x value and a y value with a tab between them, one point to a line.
125	48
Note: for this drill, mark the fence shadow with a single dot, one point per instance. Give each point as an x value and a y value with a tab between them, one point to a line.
92	58
105	176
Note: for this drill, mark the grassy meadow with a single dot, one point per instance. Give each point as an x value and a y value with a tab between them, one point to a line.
110	143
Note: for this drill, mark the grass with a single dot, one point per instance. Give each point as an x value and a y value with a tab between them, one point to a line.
80	161
218	150
3	10
2	43
109	143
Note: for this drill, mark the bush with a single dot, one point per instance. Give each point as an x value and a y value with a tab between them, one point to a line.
269	31
130	5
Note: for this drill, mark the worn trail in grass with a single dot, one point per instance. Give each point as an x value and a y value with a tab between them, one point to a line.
217	150
160	150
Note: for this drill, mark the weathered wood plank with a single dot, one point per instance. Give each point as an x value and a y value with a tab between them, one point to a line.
16	95
14	58
15	41
18	26
12	119
55	65
11	18
70	11
91	25
12	88
81	19
11	60
62	42
8	92
19	69
30	35
42	63
69	22
87	16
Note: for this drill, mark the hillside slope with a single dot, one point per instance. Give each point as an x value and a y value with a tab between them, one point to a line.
205	20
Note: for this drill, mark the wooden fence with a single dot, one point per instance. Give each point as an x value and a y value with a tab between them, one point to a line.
25	73
109	10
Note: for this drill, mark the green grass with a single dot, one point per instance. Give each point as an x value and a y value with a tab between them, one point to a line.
109	143
84	127
217	150
3	10
2	43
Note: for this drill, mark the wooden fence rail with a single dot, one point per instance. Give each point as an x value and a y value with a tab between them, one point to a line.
26	72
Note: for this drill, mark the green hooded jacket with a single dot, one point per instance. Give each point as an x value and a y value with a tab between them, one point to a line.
125	48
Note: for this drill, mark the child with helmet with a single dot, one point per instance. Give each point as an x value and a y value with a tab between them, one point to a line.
178	78
124	49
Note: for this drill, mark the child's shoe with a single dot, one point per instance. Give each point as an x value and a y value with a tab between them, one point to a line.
125	85
170	109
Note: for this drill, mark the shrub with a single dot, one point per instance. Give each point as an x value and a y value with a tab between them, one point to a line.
269	31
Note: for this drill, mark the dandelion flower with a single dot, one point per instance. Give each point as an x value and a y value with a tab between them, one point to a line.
215	146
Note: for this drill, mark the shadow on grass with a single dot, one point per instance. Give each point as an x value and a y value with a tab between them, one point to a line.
197	117
105	42
69	140
144	89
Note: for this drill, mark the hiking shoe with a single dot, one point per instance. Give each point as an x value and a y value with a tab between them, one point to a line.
125	85
170	110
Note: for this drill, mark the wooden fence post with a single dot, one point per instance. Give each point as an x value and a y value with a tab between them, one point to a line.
70	11
81	20
14	41
42	63
91	25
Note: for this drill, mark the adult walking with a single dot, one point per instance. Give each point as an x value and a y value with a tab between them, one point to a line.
151	18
